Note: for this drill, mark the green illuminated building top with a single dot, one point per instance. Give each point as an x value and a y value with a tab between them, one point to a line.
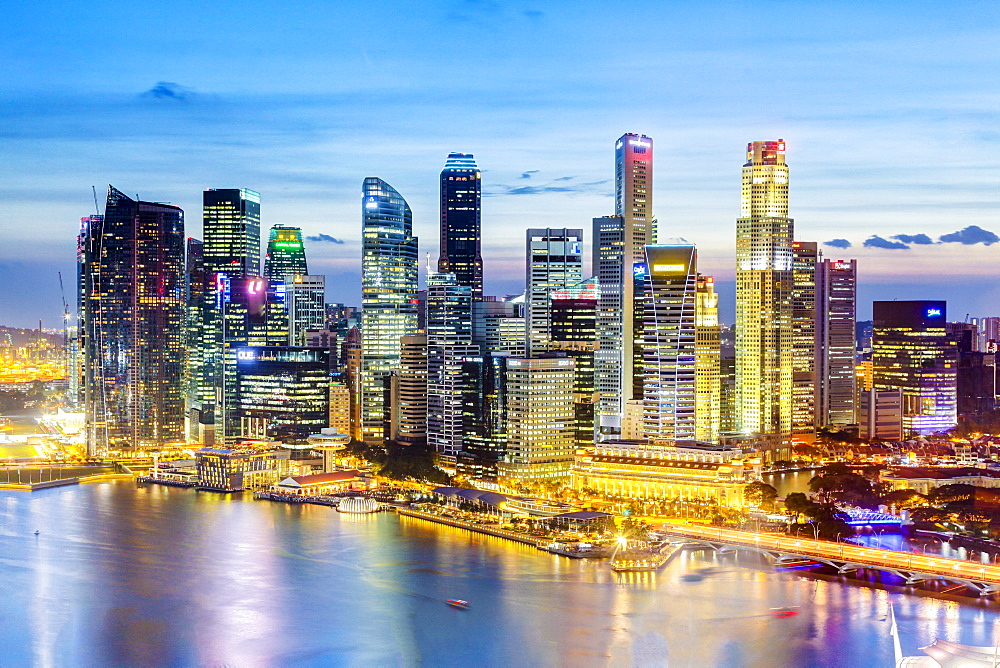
286	255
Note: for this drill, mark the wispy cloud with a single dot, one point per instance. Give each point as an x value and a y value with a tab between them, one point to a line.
527	174
326	238
167	90
876	241
973	234
536	190
838	243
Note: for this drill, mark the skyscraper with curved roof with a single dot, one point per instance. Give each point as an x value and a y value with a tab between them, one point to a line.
388	294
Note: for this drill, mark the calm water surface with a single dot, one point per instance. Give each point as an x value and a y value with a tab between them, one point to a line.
164	576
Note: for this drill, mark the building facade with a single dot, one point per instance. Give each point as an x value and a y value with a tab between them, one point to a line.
449	341
836	306
285	255
665	306
618	247
283	392
388	294
708	362
804	342
912	352
461	221
574	334
133	328
764	284
540	420
554	260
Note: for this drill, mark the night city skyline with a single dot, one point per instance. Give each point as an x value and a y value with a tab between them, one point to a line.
886	137
500	333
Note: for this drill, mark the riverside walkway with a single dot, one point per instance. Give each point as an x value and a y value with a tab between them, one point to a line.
845	557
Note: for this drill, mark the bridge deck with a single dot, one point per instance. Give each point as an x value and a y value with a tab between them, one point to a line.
844	553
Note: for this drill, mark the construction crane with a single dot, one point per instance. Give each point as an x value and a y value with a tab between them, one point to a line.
66	350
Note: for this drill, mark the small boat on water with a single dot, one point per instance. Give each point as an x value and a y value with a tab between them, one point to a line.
458	603
787	611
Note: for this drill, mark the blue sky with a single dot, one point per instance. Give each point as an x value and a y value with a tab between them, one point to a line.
891	112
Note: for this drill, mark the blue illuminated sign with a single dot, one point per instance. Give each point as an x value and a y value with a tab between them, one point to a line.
933	313
639	270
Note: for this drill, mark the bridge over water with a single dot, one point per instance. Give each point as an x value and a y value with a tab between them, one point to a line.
845	557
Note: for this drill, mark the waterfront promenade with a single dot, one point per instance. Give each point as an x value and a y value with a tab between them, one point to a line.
478	528
845	557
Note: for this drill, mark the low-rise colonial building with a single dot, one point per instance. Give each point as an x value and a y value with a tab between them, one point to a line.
684	471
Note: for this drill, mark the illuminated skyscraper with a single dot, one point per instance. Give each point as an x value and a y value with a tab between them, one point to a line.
912	352
804	328
230	252
283	392
461	200
708	360
134	311
351	354
665	305
305	301
554	261
408	420
619	247
574	334
540	421
286	254
449	341
836	289
231	222
764	282
388	294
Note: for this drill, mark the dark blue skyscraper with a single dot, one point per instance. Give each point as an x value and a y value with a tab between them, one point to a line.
461	198
133	324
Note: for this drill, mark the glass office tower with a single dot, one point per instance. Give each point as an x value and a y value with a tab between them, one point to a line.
666	290
286	254
619	245
231	222
388	294
554	261
133	291
912	352
461	203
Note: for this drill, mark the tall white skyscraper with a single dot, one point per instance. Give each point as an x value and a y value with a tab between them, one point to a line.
619	247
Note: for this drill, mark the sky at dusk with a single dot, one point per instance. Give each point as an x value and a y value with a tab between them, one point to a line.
891	112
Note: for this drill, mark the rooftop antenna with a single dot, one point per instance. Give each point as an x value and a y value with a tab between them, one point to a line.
428	263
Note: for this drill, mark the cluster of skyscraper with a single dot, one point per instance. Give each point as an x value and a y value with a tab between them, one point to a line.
192	342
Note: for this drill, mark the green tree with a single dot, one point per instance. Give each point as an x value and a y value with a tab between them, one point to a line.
760	495
904	498
798	504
